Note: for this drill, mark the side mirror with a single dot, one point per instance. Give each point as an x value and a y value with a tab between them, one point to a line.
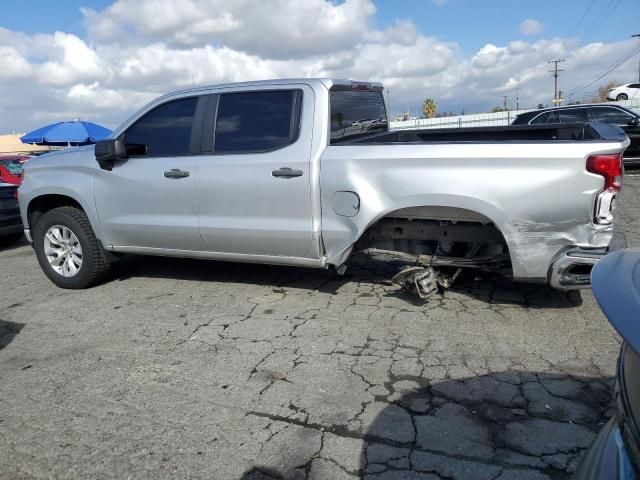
108	151
634	122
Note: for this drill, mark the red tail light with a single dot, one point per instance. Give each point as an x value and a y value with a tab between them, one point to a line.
610	167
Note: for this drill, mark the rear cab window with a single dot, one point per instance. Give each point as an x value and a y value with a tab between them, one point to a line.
355	111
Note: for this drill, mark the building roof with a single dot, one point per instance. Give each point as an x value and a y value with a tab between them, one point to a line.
11	143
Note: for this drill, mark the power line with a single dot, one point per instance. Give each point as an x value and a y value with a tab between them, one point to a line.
584	15
608	10
612	67
555	72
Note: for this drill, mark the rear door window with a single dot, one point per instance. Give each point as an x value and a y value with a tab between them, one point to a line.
553	117
574	115
253	122
541	119
610	115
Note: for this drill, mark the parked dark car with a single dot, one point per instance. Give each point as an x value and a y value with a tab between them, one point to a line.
603	112
11	228
615	453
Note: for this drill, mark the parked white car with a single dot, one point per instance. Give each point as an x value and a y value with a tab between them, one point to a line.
625	92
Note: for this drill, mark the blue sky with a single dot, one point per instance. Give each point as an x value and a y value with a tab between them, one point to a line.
103	62
470	23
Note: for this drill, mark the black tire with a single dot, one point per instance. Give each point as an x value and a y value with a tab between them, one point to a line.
622	96
94	263
10	239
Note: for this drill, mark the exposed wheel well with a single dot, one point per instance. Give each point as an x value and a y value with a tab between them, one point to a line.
453	235
41	205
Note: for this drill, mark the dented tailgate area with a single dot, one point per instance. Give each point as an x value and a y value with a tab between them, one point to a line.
536	212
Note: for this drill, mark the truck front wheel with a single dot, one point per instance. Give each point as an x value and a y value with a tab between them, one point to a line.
67	249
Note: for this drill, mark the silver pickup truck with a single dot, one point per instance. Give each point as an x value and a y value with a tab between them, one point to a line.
306	172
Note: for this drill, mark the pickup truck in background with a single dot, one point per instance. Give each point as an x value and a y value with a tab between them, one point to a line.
306	172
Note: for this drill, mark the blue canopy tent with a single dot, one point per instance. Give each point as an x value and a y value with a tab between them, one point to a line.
64	134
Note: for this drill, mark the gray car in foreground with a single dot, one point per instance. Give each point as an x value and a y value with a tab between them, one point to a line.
306	172
615	453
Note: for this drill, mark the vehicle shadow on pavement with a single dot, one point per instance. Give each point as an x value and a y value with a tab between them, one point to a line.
508	425
362	269
8	331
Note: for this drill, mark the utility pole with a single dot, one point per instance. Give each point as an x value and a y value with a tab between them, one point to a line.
504	101
637	35
517	99
555	71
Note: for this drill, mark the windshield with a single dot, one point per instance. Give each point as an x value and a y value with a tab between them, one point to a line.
14	166
355	113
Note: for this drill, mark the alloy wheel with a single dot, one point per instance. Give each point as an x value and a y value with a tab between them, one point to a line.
63	251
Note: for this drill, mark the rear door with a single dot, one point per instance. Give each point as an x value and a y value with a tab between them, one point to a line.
253	187
634	91
573	115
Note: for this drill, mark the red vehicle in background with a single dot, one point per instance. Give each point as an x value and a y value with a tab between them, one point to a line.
11	167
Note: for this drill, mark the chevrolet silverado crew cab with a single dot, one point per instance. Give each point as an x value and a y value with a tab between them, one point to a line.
306	172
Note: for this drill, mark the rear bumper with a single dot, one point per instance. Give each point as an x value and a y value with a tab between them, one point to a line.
571	270
631	161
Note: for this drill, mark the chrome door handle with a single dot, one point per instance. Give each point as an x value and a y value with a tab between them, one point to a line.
176	173
286	172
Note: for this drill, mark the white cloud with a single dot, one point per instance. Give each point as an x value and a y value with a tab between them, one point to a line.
123	63
531	26
275	29
14	65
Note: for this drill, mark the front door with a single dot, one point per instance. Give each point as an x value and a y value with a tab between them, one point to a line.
149	200
254	188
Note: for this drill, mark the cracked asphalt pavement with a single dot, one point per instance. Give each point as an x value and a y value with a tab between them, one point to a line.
196	369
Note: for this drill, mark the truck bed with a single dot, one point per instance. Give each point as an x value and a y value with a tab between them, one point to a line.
582	132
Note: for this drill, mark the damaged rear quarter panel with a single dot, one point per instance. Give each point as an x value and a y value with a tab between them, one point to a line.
538	194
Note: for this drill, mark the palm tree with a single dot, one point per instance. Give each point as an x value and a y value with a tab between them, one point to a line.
429	107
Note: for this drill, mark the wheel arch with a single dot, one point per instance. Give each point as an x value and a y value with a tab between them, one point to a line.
452	207
47	201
